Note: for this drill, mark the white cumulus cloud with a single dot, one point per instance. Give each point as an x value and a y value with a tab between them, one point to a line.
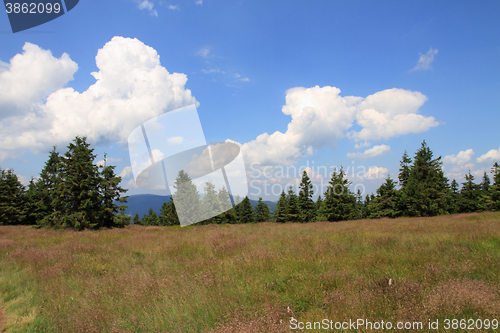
372	152
491	156
425	60
131	87
321	117
461	158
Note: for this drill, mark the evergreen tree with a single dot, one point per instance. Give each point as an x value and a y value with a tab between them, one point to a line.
50	203
168	214
33	201
136	219
229	214
494	189
262	213
339	203
485	184
360	207
386	201
292	209
426	190
210	204
111	215
317	205
280	214
470	195
12	202
246	212
80	190
367	206
404	170
151	219
455	197
187	199
306	204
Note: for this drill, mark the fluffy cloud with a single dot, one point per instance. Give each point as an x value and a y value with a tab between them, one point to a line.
461	158
376	173
321	118
425	60
174	7
131	87
176	140
372	152
491	156
30	77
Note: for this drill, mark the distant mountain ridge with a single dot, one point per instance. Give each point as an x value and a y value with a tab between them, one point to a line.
140	203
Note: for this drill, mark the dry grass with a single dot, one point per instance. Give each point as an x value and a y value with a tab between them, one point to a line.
243	278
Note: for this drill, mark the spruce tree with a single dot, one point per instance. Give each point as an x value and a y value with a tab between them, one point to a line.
339	203
470	195
426	190
360	207
292	209
306	204
404	170
246	212
280	214
262	213
494	189
168	214
12	201
454	197
80	190
386	201
136	219
49	190
151	219
210	204
111	214
187	199
229	214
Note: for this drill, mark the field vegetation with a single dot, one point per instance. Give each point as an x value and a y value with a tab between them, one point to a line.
250	277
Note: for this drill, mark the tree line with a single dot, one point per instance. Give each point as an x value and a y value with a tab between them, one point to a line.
72	192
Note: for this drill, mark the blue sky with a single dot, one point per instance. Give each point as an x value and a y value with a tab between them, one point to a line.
331	83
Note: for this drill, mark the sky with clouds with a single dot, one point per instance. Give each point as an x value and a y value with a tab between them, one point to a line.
297	84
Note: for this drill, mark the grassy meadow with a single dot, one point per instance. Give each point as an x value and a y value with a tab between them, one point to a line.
243	278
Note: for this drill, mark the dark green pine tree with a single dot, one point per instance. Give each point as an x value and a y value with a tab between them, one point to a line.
470	195
168	214
280	213
187	199
33	200
80	190
51	202
454	197
151	219
317	206
12	200
485	184
367	206
426	191
136	219
404	170
246	212
306	203
210	204
339	203
262	213
386	201
229	213
494	190
292	208
111	214
360	207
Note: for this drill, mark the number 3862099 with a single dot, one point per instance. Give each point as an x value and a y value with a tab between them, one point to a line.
32	8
